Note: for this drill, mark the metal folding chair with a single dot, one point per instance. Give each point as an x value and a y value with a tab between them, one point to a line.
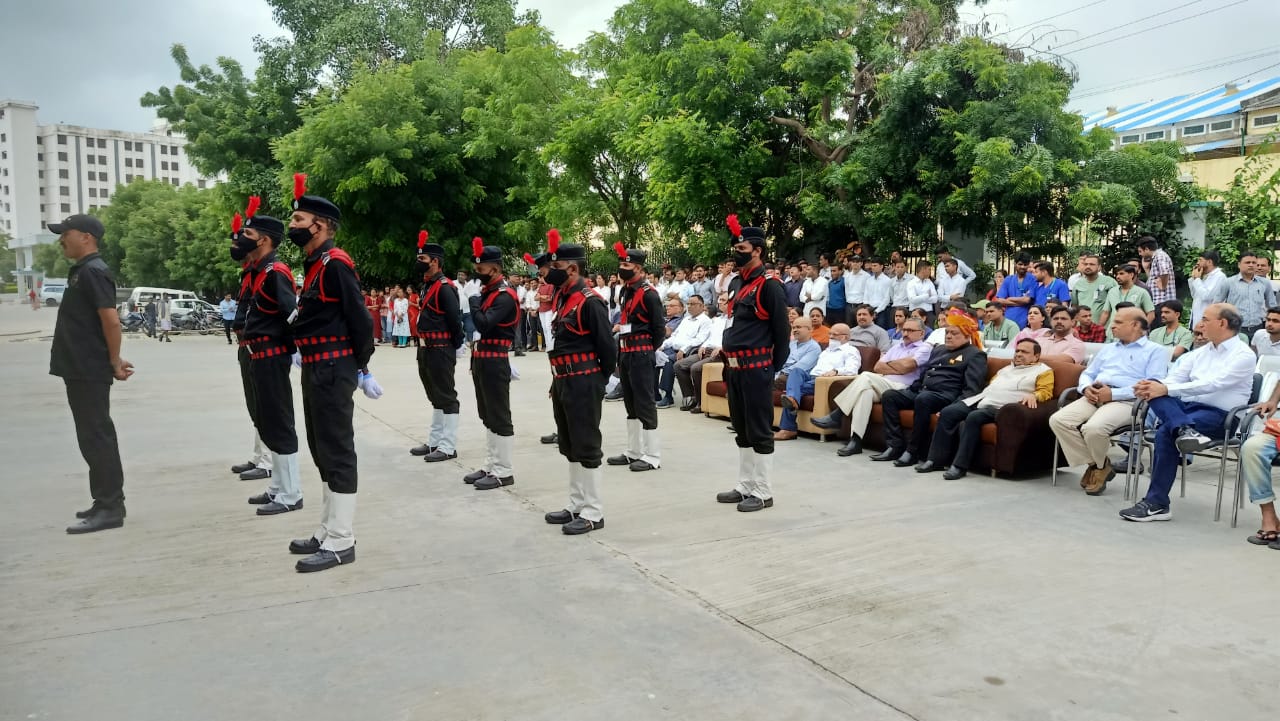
1139	412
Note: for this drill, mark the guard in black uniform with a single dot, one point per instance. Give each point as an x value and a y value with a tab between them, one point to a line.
539	263
440	331
582	360
260	465
756	344
641	330
334	334
495	312
268	338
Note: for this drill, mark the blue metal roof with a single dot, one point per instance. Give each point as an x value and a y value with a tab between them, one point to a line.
1215	145
1159	113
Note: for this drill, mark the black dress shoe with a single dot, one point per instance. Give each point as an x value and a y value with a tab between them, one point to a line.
438	455
255	474
559	517
422	450
580	525
92	510
928	466
953	473
275	507
696	409
729	497
242	467
474	476
550	439
641	466
490	482
621	459
322	560
299	547
260	499
852	448
831	421
888	454
102	520
751	503
904	460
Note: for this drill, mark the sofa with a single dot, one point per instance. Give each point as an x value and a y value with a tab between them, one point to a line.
715	401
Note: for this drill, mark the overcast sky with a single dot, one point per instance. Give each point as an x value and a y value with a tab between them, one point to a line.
87	66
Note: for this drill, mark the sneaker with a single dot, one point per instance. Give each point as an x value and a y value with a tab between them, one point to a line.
1192	441
665	404
1143	512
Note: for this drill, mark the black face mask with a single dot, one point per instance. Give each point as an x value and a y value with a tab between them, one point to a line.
484	278
301	236
239	252
557	276
741	258
421	268
626	274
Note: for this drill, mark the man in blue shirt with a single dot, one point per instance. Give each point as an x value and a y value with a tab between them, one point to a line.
791	285
835	296
804	352
1049	289
228	309
1084	427
1015	294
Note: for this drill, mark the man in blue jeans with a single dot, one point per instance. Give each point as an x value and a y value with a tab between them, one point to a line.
1256	457
1191	403
841	358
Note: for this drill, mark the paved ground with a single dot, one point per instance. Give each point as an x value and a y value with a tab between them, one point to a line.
866	593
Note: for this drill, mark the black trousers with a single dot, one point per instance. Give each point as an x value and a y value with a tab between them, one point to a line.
575	403
925	404
751	407
246	380
274	394
959	432
638	375
492	379
226	326
436	368
327	387
90	404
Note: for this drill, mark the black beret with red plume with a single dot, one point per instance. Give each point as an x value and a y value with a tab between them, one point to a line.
262	223
313	204
630	255
481	253
425	248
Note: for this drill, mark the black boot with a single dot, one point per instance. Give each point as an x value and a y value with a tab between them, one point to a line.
852	448
103	519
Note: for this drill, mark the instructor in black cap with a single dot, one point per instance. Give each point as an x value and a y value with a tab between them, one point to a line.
86	355
334	335
440	330
584	356
757	338
641	329
495	313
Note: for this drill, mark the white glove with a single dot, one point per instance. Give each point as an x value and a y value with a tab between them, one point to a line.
297	359
660	359
515	372
367	383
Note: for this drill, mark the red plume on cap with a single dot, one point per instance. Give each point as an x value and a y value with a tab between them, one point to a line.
254	203
620	249
299	185
236	223
553	241
529	259
477	247
734	226
422	239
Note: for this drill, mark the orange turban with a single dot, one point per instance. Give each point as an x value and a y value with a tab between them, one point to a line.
966	324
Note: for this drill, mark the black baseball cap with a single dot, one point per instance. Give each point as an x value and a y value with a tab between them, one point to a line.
83	223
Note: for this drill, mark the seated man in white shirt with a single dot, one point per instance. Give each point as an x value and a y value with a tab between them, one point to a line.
841	358
688	369
688	337
1191	404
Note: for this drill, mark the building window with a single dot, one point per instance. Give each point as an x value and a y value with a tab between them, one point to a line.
1193	130
42	190
173	150
62	157
128	145
1154	135
164	149
44	225
138	164
64	191
93	192
89	160
41	174
102	160
174	166
102	143
128	162
1126	139
105	194
66	207
102	176
4	154
1221	125
3	138
39	139
164	165
39	157
62	140
175	182
64	174
200	184
1263	121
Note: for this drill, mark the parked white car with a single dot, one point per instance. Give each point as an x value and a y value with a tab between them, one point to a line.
51	291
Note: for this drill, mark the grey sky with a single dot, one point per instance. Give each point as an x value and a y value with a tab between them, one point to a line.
86	66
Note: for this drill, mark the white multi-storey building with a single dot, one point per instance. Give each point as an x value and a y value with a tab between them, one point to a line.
48	172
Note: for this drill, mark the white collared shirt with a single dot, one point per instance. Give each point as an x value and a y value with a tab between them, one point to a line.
921	294
949	285
691	333
845	360
814	294
1203	291
1217	375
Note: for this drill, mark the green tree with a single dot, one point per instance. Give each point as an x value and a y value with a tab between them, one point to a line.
50	260
1250	216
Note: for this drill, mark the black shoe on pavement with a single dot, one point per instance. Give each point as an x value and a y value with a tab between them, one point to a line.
640	466
255	474
729	497
852	448
422	450
92	510
322	560
888	454
1143	512
242	468
519	353
686	405
474	476
616	395
275	507
751	503
904	460
830	422
580	525
559	518
550	439
299	547
621	459
438	455
928	466
696	409
260	499
954	473
490	482
104	519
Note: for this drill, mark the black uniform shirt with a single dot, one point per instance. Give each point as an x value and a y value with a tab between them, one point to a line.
585	328
956	373
272	300
648	317
751	295
242	300
79	346
332	305
439	310
494	312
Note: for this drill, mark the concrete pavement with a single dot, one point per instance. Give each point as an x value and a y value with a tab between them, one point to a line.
866	592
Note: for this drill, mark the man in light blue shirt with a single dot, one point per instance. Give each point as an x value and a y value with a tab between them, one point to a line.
1084	427
228	309
804	351
1249	294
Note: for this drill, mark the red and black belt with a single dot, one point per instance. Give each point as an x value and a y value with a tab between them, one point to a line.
575	364
265	347
324	347
494	348
636	344
436	339
749	358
